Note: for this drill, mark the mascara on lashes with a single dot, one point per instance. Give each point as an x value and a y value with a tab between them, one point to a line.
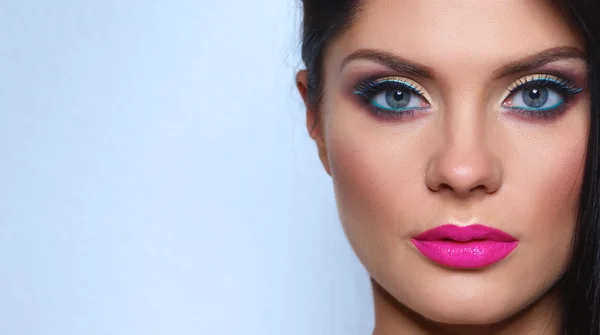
555	82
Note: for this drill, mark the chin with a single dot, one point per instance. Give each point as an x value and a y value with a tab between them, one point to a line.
467	303
459	314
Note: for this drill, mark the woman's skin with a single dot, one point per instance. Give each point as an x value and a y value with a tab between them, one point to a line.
466	157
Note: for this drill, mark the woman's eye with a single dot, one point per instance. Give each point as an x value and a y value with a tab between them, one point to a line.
535	98
397	99
392	96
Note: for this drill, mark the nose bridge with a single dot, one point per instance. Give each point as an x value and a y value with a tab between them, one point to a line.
464	129
465	161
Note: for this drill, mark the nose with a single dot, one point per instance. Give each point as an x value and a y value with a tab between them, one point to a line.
464	166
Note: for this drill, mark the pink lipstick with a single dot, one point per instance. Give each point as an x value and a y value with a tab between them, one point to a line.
470	247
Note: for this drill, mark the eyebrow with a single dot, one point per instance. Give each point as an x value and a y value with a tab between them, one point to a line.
541	58
391	61
405	66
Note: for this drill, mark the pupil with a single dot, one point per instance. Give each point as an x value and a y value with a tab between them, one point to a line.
534	94
398	95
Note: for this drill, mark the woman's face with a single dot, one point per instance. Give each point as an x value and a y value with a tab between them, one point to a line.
457	112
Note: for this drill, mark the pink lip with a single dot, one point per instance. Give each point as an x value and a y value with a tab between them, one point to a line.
470	247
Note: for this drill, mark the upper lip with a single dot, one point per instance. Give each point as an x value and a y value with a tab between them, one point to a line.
465	234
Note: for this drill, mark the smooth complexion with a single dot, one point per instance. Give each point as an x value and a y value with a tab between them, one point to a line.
432	114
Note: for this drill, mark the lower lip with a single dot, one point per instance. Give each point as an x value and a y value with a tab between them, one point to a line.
465	255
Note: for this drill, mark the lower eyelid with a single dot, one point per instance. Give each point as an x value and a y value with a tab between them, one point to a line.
550	114
391	115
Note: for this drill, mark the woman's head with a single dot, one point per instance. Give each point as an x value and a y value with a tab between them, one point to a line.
429	113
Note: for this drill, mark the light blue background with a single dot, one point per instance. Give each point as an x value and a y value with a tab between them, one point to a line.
156	176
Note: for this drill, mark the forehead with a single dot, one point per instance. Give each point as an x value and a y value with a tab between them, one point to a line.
461	34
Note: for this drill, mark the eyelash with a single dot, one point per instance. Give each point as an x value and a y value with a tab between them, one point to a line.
369	88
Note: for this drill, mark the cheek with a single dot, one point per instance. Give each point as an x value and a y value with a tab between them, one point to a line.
545	174
371	166
545	187
377	170
554	181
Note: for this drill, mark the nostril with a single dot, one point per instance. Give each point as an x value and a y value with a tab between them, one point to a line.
445	187
479	187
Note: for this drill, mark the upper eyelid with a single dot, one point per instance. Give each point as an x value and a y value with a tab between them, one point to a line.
540	77
409	83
